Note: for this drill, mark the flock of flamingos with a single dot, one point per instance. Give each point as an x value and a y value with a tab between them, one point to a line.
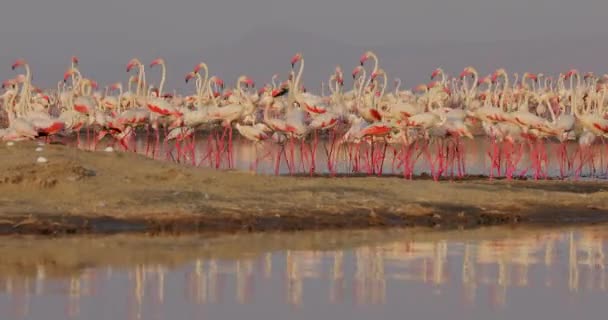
366	128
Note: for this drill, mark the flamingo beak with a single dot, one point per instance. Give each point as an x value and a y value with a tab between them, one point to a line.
294	60
75	60
67	75
279	92
363	59
220	83
434	74
155	63
17	64
130	66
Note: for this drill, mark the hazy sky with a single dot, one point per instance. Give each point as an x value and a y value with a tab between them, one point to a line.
105	34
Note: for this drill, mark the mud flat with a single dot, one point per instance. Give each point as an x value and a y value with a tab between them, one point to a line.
80	192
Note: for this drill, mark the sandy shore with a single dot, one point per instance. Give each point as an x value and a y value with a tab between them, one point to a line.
99	192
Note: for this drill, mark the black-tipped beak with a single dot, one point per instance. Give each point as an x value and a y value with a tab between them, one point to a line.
293	65
362	63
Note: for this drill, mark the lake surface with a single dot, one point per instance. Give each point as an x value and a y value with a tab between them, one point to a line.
397	274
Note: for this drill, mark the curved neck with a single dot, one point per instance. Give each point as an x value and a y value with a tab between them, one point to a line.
299	77
162	79
397	87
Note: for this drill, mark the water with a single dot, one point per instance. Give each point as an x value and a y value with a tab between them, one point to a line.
483	274
476	158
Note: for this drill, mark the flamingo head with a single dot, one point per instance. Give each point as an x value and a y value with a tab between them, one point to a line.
589	75
18	63
200	66
364	57
68	74
133	63
156	62
116	86
356	71
531	76
249	82
297	57
279	91
75	60
467	72
435	73
219	82
570	73
483	80
189	76
262	90
94	84
432	84
340	80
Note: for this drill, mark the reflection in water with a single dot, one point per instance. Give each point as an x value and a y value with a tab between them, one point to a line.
477	273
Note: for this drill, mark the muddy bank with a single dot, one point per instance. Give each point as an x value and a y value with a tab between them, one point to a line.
98	192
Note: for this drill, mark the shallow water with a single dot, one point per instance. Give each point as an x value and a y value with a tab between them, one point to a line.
484	274
476	158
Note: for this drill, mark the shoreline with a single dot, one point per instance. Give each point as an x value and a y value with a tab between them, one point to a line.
83	192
